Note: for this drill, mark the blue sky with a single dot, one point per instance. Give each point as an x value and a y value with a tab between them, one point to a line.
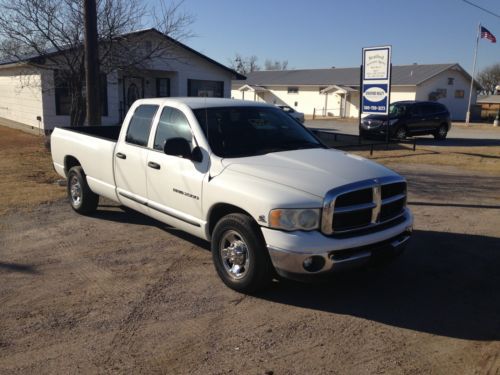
321	34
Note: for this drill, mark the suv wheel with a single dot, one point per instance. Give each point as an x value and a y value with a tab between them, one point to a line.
441	133
401	133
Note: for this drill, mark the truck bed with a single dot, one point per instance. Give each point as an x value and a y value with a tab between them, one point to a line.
92	147
110	133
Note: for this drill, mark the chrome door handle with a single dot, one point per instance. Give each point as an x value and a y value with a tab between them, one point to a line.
121	156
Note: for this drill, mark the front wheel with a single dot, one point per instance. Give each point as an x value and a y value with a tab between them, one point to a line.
82	199
239	254
401	133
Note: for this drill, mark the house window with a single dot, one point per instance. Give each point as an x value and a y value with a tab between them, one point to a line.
162	87
441	93
63	97
459	94
198	87
451	81
293	90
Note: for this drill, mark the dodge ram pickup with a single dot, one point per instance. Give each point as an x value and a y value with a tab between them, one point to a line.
269	196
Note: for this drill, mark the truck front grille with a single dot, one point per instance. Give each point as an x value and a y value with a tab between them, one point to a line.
362	205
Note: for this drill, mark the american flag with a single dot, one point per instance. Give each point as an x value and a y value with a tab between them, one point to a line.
485	33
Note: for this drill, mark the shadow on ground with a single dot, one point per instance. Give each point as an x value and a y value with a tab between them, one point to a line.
121	214
17	267
445	284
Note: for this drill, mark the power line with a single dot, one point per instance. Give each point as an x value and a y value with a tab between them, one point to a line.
480	7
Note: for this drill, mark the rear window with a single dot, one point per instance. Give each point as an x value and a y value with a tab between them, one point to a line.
140	125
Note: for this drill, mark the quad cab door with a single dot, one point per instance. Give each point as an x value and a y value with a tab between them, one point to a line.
174	183
130	158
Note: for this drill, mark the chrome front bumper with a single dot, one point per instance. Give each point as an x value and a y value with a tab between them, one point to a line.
324	255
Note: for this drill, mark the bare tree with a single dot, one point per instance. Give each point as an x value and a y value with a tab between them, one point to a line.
244	65
51	31
275	65
489	78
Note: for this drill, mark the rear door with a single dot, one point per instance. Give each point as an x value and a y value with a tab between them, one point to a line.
174	184
130	158
417	120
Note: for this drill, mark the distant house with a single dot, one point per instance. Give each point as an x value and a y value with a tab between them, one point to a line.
30	95
489	104
335	91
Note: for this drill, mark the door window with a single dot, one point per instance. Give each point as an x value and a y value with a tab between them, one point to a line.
140	125
172	124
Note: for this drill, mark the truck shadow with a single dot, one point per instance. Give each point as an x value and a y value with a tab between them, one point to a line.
445	284
121	214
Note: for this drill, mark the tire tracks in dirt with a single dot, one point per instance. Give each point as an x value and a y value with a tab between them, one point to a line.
122	343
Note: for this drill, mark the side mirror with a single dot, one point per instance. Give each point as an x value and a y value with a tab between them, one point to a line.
180	147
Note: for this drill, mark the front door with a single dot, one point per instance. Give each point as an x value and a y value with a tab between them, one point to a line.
174	184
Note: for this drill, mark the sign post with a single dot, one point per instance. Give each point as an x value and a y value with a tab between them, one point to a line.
376	82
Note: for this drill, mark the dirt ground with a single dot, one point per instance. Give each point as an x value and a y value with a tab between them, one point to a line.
118	292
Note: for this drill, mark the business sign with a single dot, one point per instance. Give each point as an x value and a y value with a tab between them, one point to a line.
376	80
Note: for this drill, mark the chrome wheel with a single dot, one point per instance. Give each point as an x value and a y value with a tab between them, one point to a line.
75	190
234	254
442	132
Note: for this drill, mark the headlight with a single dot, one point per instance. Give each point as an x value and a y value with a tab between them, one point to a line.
295	219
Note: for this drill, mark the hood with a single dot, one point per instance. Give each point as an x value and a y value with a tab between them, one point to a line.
315	171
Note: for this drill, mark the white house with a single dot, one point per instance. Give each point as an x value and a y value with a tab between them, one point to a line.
335	91
29	94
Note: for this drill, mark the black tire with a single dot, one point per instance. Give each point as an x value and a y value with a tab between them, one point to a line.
238	245
82	199
441	132
401	133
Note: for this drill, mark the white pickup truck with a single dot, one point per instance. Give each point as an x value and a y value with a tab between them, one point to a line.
267	194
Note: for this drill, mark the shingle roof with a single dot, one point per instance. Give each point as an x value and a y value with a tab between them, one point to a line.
53	51
401	75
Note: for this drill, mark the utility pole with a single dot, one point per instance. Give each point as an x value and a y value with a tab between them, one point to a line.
92	63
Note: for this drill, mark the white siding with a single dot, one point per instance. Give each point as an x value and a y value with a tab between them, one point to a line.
308	98
23	104
456	106
20	96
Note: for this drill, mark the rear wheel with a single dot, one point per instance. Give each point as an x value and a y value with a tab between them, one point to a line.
239	254
82	199
441	132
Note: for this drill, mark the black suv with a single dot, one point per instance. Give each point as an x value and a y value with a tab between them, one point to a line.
409	118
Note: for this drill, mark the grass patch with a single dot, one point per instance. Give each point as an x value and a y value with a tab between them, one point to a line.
27	177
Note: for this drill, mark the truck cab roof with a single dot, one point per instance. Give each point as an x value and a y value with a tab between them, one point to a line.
202	102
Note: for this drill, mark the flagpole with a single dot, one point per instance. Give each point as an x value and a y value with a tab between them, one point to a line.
467	117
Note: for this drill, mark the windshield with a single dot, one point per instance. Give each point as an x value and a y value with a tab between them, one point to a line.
397	109
247	131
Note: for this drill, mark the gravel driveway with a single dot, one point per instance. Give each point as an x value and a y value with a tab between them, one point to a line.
121	293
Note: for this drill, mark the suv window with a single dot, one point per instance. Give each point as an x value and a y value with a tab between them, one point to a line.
428	109
140	125
172	124
417	110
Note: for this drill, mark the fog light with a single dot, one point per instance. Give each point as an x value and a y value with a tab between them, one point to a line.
314	263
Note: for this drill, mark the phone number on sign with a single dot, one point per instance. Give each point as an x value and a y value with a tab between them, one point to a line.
374	108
